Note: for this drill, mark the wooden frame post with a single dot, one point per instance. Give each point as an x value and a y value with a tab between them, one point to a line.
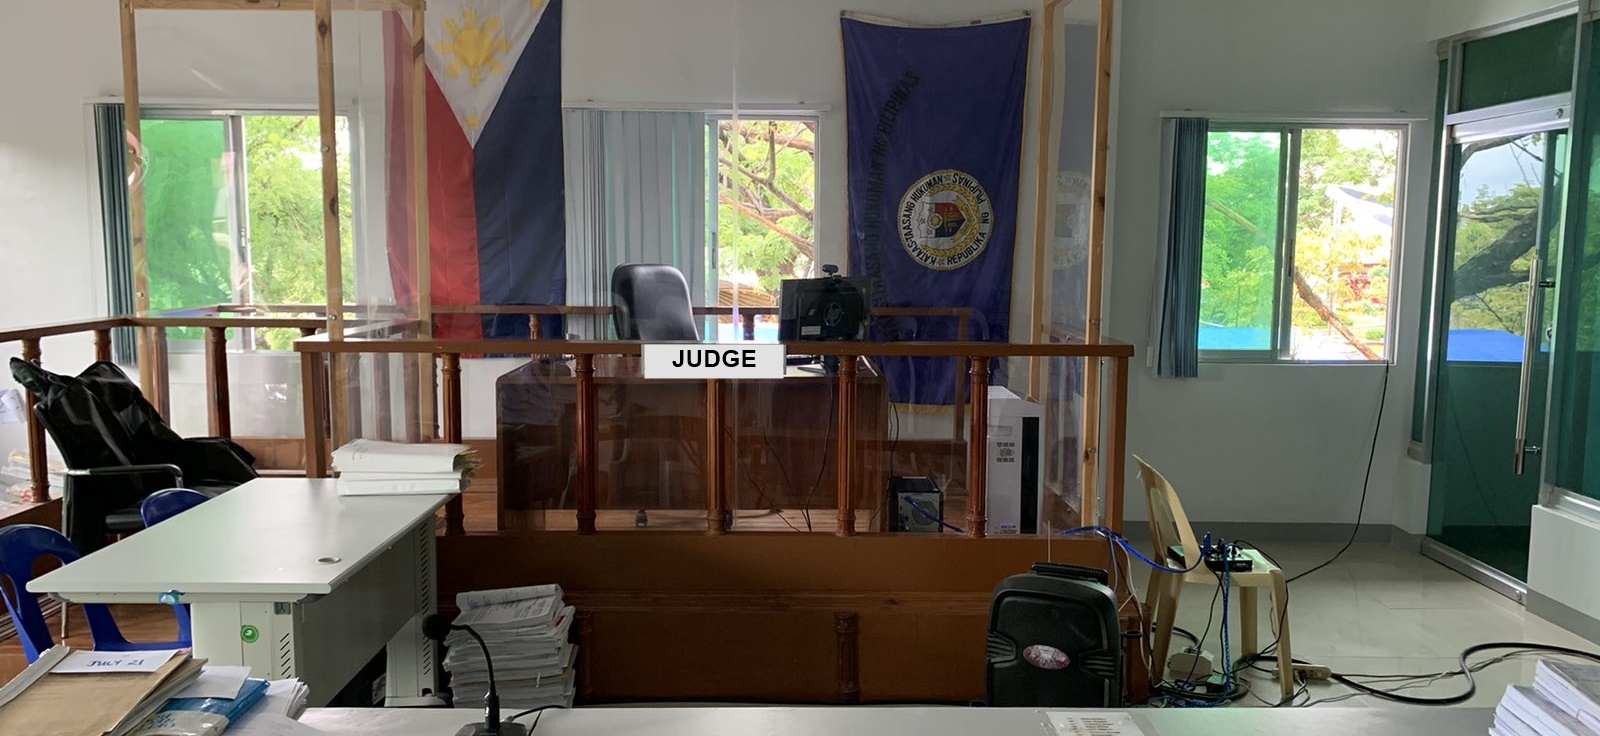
426	400
313	380
454	511
137	230
218	411
1046	156
1090	470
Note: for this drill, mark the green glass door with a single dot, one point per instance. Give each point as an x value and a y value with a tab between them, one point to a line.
1494	362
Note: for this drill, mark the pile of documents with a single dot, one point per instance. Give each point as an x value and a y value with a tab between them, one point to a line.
377	468
145	693
1564	701
526	631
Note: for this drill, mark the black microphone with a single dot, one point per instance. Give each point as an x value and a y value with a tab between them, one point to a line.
436	627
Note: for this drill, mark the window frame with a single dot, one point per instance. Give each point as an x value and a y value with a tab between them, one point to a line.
233	119
1291	135
716	116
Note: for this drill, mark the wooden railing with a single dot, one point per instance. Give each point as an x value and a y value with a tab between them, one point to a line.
158	391
317	351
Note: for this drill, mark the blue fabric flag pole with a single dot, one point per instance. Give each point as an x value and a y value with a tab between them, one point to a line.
935	123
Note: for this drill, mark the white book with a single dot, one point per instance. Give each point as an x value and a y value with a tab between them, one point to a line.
478	598
397	487
373	475
1508	724
1575	688
1544	716
402	457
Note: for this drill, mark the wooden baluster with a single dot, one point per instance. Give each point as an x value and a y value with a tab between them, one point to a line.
218	411
1117	428
163	372
315	405
845	467
382	401
957	426
102	344
533	327
450	376
716	493
847	634
588	450
411	375
38	461
977	449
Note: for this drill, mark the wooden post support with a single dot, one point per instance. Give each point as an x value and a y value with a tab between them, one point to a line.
411	376
845	466
977	449
957	425
588	450
1117	429
425	421
716	492
450	374
102	344
1046	158
218	411
38	461
137	237
847	633
1089	476
314	402
328	118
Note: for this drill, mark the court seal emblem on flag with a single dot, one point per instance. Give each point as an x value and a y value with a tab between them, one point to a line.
946	219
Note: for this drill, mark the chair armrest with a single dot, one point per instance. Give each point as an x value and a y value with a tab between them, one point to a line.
168	468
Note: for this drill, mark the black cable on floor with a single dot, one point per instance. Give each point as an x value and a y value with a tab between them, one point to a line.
1465	670
1366	480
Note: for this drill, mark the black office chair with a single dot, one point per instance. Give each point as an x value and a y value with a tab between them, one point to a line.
650	301
118	450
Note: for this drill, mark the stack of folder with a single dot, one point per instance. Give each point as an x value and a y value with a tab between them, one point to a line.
526	630
1564	701
156	693
377	468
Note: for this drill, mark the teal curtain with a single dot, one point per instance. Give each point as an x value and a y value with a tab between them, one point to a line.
110	130
1177	307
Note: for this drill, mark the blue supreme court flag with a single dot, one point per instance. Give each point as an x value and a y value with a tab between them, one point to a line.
935	145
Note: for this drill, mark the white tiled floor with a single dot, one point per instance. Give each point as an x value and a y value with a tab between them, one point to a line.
1382	610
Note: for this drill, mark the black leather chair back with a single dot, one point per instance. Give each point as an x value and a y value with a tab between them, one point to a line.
650	301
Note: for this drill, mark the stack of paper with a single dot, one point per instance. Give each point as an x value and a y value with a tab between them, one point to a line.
374	468
526	631
67	693
1564	701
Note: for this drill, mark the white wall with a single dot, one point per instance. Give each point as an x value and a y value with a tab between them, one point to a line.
1266	443
1448	18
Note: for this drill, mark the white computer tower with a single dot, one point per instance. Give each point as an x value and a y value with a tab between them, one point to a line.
1016	470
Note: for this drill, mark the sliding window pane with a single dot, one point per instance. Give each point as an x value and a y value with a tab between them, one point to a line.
1344	236
1520	65
1240	261
189	214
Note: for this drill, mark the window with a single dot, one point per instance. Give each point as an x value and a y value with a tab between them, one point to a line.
233	214
765	188
1298	236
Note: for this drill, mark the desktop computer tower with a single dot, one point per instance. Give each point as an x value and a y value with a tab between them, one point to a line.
1016	470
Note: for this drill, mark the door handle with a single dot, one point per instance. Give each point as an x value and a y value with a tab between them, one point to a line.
1530	350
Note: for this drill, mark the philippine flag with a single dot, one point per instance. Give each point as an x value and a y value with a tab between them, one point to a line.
496	199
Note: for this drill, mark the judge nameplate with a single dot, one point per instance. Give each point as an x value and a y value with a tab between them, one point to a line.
713	360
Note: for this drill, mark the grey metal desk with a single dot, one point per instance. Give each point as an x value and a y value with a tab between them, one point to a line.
286	576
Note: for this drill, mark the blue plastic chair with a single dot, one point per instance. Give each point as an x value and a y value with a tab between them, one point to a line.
162	505
21	546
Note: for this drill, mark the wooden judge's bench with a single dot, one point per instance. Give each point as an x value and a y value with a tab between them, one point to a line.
779	461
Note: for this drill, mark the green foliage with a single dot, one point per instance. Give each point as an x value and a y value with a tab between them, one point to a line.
284	186
1240	235
186	215
766	184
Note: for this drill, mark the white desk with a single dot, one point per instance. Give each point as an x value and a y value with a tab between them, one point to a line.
880	721
286	576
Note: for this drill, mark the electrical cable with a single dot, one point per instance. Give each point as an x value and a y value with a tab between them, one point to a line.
822	467
1465	670
531	711
1126	545
929	515
1366	480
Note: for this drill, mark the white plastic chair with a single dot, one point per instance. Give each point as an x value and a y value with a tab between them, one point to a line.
1170	528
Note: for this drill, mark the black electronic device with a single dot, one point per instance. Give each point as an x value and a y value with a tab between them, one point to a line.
1227	558
914	505
1054	641
833	307
436	627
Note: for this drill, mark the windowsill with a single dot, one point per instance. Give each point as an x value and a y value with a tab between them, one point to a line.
1283	362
